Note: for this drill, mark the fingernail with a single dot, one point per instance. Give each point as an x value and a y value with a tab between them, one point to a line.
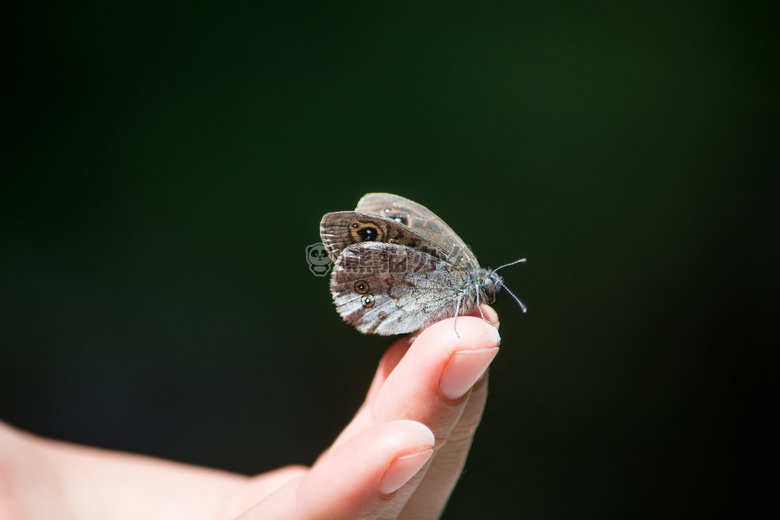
463	369
402	470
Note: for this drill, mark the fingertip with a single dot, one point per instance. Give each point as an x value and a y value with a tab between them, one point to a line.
417	433
402	470
359	474
493	335
489	313
465	331
420	442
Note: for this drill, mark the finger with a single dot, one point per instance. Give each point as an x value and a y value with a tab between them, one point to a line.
399	348
433	492
431	495
431	382
356	480
387	364
260	486
487	312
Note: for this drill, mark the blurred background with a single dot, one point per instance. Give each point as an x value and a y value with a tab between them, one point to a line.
166	165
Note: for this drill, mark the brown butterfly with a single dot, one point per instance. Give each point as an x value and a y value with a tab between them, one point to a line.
399	268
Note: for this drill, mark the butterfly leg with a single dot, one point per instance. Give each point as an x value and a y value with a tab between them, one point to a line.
476	286
457	311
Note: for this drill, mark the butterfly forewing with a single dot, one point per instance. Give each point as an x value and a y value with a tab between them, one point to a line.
341	229
420	219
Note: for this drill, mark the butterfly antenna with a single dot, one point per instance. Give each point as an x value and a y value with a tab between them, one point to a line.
521	304
507	265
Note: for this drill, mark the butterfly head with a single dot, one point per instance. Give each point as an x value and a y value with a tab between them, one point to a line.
488	283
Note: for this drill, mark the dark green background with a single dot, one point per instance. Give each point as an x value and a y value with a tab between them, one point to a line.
166	165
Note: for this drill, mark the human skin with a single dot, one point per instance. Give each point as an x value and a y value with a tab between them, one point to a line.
399	458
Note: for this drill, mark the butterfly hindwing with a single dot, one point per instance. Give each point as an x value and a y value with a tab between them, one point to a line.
387	289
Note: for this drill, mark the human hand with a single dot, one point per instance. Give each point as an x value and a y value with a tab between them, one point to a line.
400	456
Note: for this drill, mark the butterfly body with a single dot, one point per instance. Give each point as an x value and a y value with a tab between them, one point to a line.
399	268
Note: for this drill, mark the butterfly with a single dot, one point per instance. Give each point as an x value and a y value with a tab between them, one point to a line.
399	268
